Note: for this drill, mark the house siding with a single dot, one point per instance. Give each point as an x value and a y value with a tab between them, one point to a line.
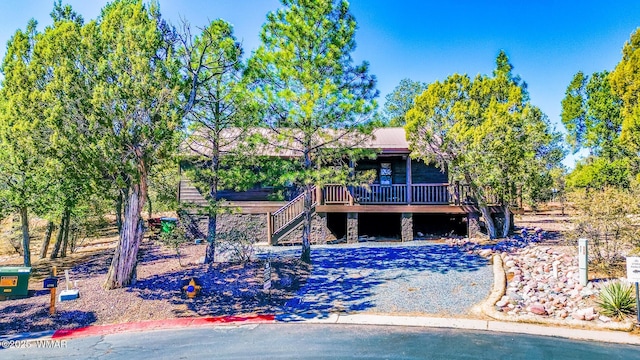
422	173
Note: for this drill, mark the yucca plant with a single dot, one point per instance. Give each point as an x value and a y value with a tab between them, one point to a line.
616	300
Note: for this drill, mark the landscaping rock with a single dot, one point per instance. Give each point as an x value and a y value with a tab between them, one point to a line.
541	280
537	309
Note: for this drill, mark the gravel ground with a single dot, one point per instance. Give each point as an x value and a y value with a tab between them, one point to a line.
227	289
411	278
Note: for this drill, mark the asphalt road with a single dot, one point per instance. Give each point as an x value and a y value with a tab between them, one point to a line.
314	341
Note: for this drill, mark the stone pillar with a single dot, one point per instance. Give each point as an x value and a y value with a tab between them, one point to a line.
473	225
319	227
406	226
352	227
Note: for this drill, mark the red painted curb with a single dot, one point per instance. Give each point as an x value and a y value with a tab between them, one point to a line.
158	325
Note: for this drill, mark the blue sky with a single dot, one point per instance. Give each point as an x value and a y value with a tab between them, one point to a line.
547	41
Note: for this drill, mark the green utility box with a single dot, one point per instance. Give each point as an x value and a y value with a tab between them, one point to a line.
167	224
14	281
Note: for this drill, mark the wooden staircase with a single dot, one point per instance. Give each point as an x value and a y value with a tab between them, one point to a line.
283	221
280	223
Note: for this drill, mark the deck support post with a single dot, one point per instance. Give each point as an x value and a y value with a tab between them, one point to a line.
352	227
269	229
473	225
320	230
409	182
406	226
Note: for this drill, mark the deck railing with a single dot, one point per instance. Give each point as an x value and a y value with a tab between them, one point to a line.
381	194
431	194
421	194
291	211
336	194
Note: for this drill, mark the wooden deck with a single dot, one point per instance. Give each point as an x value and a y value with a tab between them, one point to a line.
399	198
427	209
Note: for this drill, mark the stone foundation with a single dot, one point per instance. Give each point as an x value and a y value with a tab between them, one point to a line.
320	233
473	225
352	228
406	226
226	222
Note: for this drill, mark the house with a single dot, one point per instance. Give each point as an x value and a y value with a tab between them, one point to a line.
408	199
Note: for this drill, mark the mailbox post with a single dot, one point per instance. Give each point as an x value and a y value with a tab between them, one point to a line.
51	283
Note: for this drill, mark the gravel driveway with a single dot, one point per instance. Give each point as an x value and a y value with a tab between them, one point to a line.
408	278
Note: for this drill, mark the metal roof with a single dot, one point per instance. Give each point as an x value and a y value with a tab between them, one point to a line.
391	140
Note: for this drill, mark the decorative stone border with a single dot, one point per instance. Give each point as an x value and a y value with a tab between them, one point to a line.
499	287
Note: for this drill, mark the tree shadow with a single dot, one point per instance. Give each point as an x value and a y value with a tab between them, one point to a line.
346	280
226	289
340	280
97	263
23	320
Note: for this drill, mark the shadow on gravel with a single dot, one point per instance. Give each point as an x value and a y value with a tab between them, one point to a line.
227	289
340	280
97	263
32	318
344	279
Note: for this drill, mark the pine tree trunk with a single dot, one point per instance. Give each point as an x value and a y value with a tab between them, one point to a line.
47	240
65	239
506	228
306	226
25	237
210	252
58	244
122	271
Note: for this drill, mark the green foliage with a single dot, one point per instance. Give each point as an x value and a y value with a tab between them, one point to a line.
598	172
315	100
617	300
221	112
401	100
487	134
573	111
135	108
174	236
163	186
136	111
24	139
607	218
238	244
306	47
591	114
625	83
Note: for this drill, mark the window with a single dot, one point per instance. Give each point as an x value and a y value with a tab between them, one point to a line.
385	173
